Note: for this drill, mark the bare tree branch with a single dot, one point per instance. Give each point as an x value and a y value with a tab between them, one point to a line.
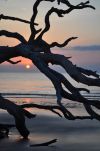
60	13
64	2
81	5
90	111
41	46
68	115
67	84
88	72
70	69
13	35
55	44
45	107
13	62
18	113
32	27
74	95
15	19
42	60
47	22
6	53
45	144
4	129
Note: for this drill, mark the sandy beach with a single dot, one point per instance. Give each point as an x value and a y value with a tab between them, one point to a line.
78	135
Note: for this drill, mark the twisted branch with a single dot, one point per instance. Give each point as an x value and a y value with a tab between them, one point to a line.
81	5
88	72
70	69
55	44
14	62
45	144
32	27
60	13
18	113
68	115
13	35
47	22
15	19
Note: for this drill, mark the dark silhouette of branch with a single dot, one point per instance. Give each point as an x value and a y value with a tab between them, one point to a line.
81	5
45	144
91	112
13	35
74	95
60	92
41	46
13	62
64	2
60	13
67	114
42	60
32	27
47	107
70	69
47	22
53	109
67	84
15	19
88	72
6	53
18	114
55	44
4	129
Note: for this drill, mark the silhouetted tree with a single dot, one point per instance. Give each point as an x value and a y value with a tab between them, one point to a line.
39	52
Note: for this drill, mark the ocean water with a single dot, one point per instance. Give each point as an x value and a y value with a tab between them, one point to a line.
36	88
24	83
35	85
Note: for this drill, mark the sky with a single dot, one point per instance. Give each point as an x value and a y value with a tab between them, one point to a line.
84	24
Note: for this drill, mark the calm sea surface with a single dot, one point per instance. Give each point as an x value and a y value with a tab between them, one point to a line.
26	86
25	83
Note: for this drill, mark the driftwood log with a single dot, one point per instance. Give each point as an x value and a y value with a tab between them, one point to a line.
39	52
4	129
19	115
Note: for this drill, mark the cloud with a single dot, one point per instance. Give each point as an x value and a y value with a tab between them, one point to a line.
86	48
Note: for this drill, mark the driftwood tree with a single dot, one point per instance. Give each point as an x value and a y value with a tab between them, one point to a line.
39	52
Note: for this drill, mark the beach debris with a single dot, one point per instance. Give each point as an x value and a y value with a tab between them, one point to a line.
45	143
4	130
19	115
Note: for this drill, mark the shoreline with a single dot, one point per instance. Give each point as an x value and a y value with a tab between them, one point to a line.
72	135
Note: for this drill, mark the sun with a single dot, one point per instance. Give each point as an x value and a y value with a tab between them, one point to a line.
27	66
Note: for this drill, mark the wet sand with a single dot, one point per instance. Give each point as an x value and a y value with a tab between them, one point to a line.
78	135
